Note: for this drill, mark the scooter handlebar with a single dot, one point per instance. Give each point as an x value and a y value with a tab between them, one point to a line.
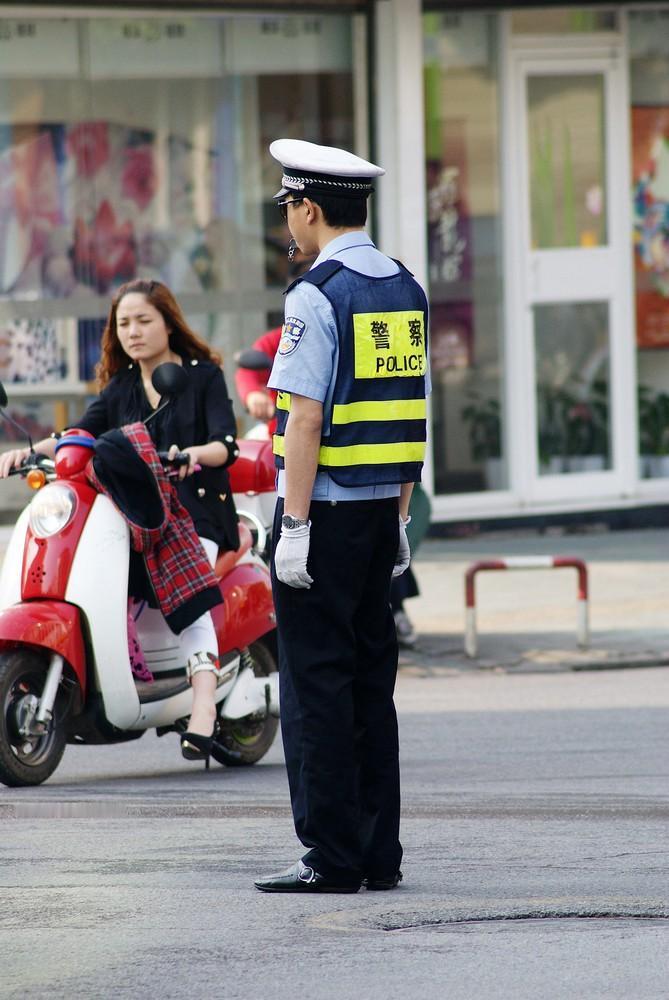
36	460
181	458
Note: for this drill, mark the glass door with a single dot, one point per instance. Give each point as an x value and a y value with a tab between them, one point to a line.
570	251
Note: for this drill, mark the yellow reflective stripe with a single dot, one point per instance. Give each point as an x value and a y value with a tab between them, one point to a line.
362	454
391	409
283	401
372	454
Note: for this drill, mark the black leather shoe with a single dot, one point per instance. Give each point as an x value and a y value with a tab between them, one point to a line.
301	878
380	884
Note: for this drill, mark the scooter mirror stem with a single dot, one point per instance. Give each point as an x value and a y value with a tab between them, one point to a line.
158	410
6	416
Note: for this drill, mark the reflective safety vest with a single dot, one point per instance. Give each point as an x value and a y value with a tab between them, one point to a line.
378	421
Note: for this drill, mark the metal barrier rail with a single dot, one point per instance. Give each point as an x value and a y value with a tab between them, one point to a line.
526	562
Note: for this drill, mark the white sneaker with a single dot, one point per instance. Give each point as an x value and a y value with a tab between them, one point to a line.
406	635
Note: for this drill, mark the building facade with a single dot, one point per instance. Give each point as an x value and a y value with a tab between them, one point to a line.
527	151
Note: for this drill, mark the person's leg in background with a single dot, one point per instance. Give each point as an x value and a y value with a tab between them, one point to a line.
403	587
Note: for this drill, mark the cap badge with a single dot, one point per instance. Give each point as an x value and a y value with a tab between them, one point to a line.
294	183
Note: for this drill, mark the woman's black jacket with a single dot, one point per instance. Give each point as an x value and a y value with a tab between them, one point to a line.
202	413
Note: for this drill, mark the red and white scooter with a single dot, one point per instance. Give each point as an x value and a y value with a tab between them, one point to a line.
65	673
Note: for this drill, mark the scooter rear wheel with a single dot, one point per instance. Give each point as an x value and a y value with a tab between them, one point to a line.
241	742
26	760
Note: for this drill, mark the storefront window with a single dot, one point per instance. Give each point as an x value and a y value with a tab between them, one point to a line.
649	91
464	250
571	349
140	149
568	190
562	21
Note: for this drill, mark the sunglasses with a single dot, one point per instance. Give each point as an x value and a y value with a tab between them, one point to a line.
283	206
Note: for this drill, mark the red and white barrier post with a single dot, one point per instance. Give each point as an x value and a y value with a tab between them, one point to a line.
526	562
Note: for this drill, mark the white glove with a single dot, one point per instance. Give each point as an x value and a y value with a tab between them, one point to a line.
290	557
403	557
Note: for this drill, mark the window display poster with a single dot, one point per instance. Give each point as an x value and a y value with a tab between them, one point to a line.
451	336
448	221
89	337
82	209
31	351
650	173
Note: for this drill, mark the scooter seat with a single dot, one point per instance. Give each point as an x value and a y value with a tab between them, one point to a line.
226	560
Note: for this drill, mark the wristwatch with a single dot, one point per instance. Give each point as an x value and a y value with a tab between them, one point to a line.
288	521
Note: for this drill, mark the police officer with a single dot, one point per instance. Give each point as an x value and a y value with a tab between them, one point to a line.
351	375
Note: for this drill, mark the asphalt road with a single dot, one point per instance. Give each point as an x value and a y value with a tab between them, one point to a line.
536	861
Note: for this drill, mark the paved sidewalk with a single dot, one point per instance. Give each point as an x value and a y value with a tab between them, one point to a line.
527	619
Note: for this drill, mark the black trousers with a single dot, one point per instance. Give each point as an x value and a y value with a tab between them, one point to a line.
338	664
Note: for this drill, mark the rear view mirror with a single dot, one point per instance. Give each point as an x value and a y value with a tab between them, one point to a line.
169	379
253	360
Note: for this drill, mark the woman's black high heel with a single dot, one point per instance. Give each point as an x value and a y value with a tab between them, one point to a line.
196	747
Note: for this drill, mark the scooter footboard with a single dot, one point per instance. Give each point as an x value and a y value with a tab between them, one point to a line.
252	694
51	625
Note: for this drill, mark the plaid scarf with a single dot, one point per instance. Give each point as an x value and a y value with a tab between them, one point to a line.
126	468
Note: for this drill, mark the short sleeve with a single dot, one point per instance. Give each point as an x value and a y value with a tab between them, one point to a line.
305	359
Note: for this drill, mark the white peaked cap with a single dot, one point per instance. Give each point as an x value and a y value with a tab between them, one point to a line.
328	169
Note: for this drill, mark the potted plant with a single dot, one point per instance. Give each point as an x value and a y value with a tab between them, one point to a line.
647	428
485	436
553	404
587	429
654	431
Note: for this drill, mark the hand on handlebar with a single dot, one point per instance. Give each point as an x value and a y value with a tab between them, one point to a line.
12	460
184	461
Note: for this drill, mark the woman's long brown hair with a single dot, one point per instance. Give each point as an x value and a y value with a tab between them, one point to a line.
183	340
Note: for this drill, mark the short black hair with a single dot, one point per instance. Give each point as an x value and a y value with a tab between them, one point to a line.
338	212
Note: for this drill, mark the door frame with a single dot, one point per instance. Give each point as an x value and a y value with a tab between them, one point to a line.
520	56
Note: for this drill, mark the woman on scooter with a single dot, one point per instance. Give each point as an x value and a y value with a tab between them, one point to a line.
146	328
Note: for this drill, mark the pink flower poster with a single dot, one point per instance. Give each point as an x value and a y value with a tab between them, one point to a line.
84	207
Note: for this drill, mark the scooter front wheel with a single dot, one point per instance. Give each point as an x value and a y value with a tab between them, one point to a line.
26	759
241	742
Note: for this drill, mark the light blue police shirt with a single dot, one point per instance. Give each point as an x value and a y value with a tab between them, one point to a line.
311	367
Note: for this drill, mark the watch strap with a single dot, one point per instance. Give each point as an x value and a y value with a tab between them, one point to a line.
288	521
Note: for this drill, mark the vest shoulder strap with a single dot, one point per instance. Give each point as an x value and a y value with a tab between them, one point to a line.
318	275
402	267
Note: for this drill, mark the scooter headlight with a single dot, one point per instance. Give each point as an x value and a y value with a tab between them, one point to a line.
51	510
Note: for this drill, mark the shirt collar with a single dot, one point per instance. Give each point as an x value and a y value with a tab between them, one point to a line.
359	238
